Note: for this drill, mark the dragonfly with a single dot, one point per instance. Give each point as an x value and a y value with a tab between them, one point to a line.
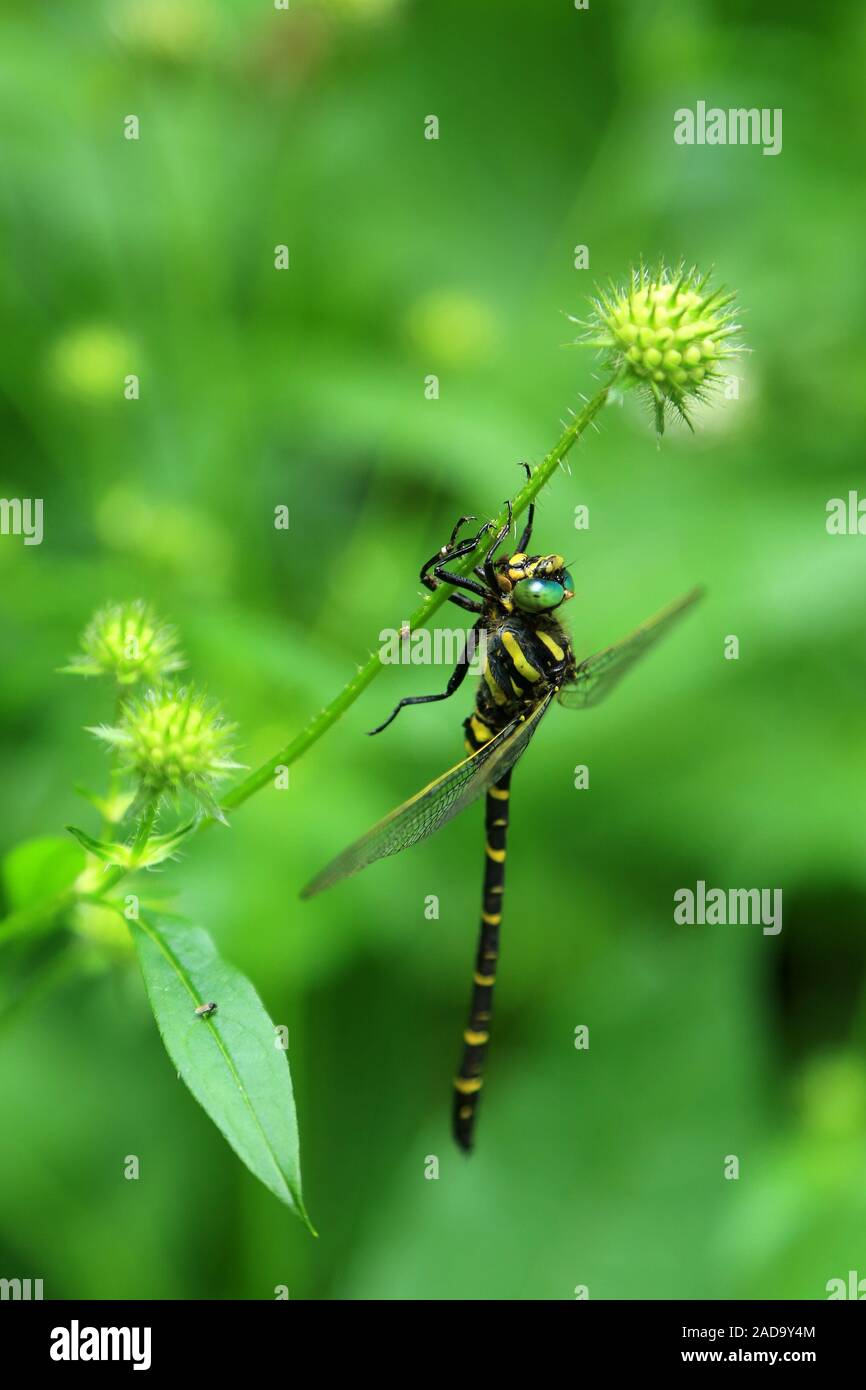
528	663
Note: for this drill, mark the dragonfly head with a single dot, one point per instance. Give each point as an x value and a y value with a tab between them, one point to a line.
535	583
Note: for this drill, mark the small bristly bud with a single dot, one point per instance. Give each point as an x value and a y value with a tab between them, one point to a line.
669	333
127	641
171	740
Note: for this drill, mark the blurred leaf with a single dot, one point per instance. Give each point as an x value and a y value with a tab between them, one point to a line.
229	1060
38	869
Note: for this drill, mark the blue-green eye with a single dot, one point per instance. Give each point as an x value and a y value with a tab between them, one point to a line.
568	582
535	595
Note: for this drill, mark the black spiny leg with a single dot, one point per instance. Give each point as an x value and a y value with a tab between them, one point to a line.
455	680
441	575
489	571
526	537
522	544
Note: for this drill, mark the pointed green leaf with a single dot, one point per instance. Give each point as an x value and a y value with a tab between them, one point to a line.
107	852
162	847
229	1060
155	851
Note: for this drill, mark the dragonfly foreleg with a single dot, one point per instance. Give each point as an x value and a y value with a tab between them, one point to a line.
441	575
489	571
526	536
446	555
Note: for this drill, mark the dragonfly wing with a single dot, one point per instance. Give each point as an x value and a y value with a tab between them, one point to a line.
597	675
437	803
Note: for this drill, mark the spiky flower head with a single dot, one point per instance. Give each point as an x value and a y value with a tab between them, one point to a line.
173	739
670	333
127	641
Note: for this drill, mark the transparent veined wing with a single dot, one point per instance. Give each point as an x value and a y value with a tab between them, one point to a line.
596	676
437	803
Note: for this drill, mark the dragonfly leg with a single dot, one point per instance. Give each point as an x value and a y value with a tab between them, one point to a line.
451	550
455	680
489	572
432	582
452	540
467	604
445	576
441	575
522	544
526	536
469	1079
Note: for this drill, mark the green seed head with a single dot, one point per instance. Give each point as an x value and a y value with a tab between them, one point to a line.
669	333
128	642
172	739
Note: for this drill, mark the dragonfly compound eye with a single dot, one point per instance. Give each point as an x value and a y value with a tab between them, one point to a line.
538	595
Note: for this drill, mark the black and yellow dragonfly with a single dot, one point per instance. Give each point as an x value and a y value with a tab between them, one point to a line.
527	663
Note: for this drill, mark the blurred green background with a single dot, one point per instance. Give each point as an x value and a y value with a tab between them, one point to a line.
306	388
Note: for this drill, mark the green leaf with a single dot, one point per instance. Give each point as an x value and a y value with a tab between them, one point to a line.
156	850
99	848
162	847
229	1059
39	869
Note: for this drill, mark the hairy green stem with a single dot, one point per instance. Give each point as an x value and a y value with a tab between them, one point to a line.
142	834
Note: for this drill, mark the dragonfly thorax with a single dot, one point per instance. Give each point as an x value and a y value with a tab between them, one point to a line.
526	656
